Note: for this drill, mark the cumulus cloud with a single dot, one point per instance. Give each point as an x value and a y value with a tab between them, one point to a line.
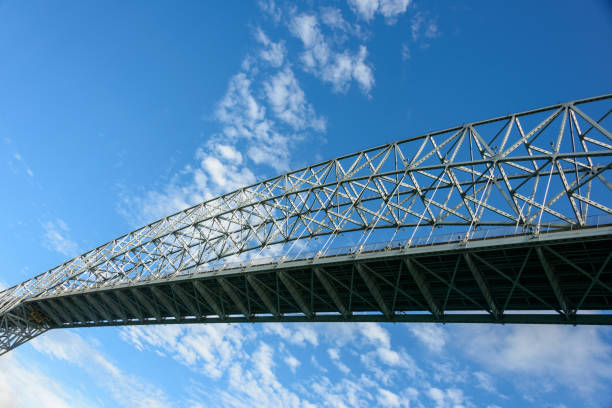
450	397
431	335
272	52
389	399
332	17
292	362
299	334
390	9
208	349
334	354
339	68
288	102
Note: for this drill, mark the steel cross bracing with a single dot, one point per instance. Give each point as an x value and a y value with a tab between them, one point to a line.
535	175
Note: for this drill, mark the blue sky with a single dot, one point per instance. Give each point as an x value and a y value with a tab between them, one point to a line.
114	114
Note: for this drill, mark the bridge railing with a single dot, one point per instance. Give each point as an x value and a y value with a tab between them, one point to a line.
594	221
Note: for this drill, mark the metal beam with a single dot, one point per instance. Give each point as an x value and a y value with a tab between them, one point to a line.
209	297
82	305
71	309
51	313
90	298
424	288
331	291
114	306
295	294
522	318
374	290
231	292
483	285
132	307
553	280
166	302
55	304
146	303
263	295
186	300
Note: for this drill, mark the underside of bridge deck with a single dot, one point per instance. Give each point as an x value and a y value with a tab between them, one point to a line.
497	283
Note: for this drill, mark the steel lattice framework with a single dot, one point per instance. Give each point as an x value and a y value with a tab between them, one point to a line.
523	203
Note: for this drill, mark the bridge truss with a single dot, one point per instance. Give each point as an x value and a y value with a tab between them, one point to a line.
491	221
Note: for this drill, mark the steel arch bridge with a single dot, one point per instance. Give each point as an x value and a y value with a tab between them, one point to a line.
506	220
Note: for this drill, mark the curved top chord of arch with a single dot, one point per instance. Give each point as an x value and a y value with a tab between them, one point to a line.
538	170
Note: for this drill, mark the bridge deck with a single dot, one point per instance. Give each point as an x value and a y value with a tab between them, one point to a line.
488	280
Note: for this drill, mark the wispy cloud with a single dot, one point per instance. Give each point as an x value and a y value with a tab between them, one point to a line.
389	9
292	362
288	102
57	238
24	385
272	52
125	389
424	29
552	354
17	162
263	115
431	335
319	57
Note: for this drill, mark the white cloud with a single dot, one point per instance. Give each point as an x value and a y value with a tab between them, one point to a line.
341	392
432	30
255	384
415	25
485	381
261	117
387	398
422	26
375	334
405	52
57	238
365	8
393	8
554	354
292	362
337	68
270	8
305	27
451	397
23	385
22	163
209	349
334	354
273	53
125	389
448	372
390	9
332	17
298	334
431	335
288	102
230	153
